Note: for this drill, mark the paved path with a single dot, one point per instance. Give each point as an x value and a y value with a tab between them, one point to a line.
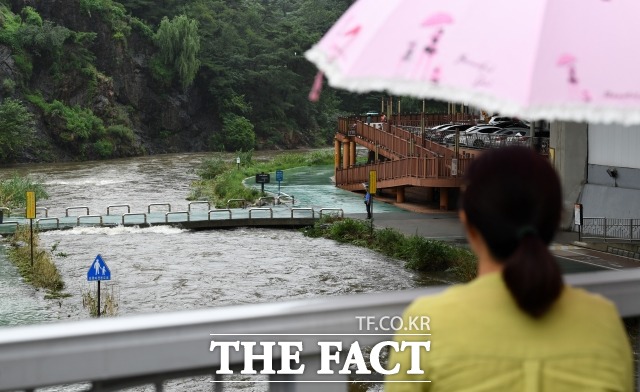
446	226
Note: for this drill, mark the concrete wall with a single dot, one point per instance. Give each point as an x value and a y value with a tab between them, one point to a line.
583	153
600	201
626	177
570	142
614	145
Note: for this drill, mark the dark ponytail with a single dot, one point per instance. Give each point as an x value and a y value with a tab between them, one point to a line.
533	276
513	197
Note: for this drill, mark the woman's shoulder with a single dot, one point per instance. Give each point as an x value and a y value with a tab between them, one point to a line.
480	288
578	300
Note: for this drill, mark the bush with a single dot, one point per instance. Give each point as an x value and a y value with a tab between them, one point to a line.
211	168
13	191
238	133
121	132
30	16
349	230
104	148
8	86
16	128
160	72
419	253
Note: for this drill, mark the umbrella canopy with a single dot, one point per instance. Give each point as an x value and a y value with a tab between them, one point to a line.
537	59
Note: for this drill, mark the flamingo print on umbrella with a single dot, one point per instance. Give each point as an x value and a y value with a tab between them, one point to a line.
428	50
569	61
338	49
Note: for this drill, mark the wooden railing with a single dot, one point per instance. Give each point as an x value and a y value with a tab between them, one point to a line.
414	167
414	119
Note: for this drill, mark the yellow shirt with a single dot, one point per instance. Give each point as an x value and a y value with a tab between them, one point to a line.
481	341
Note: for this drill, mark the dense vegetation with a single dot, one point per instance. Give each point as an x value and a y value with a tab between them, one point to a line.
221	180
419	253
100	78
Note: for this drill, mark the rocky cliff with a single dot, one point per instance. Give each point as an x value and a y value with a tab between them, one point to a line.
97	97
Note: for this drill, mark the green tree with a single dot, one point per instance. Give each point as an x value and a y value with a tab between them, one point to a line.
179	45
16	128
238	133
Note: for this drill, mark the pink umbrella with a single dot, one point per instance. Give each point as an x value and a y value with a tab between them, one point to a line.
538	59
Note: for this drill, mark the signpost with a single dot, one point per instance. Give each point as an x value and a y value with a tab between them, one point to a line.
279	178
31	214
98	271
373	181
263	178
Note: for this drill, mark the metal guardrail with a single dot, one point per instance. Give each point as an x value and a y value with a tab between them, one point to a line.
57	220
23	211
166	216
45	209
243	201
216	211
119	206
115	353
335	211
261	209
283	198
158	205
134	214
10	223
198	203
263	199
66	210
104	219
313	213
609	229
88	216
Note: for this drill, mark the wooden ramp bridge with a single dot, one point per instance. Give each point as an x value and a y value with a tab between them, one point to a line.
401	158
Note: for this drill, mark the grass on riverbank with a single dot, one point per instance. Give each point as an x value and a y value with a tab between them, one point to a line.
13	191
418	253
44	273
109	301
221	180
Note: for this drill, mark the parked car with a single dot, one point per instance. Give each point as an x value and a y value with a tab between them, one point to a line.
519	138
495	120
439	135
473	138
513	124
502	121
450	139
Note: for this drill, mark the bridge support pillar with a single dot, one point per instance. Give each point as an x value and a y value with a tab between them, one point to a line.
352	152
400	194
336	153
345	156
444	199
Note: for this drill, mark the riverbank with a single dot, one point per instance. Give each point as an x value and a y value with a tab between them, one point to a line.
417	252
221	180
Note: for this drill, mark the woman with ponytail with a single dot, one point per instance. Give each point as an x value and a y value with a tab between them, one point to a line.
517	326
